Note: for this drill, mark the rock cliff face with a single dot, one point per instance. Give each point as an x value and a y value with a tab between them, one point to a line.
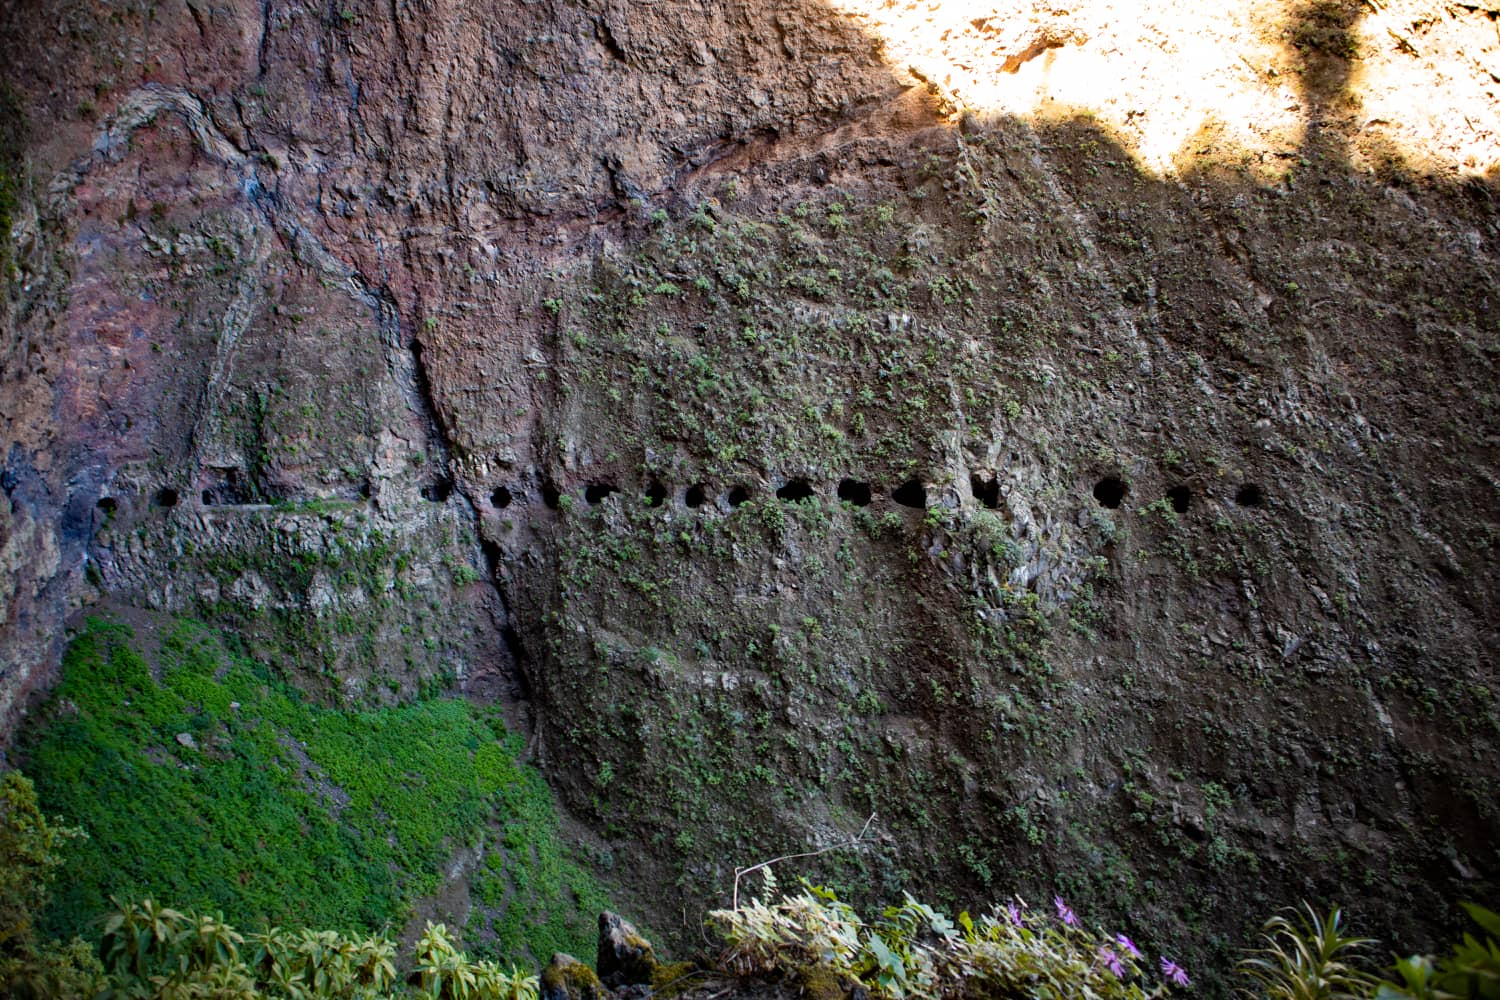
791	437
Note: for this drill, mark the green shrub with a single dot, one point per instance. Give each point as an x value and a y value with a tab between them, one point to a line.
30	855
31	848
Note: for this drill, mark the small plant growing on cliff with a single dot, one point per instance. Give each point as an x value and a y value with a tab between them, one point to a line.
1309	959
914	951
1471	971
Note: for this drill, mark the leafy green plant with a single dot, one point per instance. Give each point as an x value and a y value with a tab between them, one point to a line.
140	938
32	848
156	951
1309	959
914	951
30	855
446	973
1470	972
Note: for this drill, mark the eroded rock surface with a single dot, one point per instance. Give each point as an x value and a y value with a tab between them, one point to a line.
1135	530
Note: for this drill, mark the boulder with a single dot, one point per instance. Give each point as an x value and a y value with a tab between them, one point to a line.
625	957
566	978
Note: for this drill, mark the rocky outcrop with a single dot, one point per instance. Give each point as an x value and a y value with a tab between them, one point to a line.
625	957
800	438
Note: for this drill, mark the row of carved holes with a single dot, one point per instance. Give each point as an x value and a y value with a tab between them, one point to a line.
909	494
1110	492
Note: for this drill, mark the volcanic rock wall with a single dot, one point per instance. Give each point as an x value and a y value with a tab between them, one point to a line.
794	441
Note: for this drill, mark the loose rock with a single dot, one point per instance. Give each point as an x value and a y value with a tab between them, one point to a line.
625	957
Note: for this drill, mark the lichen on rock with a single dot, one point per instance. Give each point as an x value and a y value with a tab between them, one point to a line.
566	978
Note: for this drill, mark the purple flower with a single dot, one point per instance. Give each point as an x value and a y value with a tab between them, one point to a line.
1128	945
1173	973
1112	962
1013	912
1065	912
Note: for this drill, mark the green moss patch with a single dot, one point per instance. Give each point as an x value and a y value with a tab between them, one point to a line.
205	781
12	125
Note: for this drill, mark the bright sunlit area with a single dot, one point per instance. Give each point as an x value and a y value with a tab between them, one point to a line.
1412	83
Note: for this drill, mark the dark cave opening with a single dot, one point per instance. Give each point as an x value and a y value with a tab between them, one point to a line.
738	495
166	497
597	493
795	489
501	498
1110	492
911	494
439	490
656	493
1181	498
855	492
551	495
695	496
1249	495
108	504
986	489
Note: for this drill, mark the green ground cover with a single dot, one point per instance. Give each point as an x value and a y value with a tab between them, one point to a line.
203	780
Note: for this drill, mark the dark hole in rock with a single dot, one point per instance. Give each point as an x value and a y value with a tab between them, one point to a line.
986	490
439	490
1181	498
166	497
491	557
738	495
596	492
855	492
656	493
515	679
795	489
551	495
911	494
1249	495
108	504
366	489
501	497
695	496
1110	492
226	484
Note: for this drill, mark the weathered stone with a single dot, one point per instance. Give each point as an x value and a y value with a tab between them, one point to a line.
534	245
566	978
625	957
